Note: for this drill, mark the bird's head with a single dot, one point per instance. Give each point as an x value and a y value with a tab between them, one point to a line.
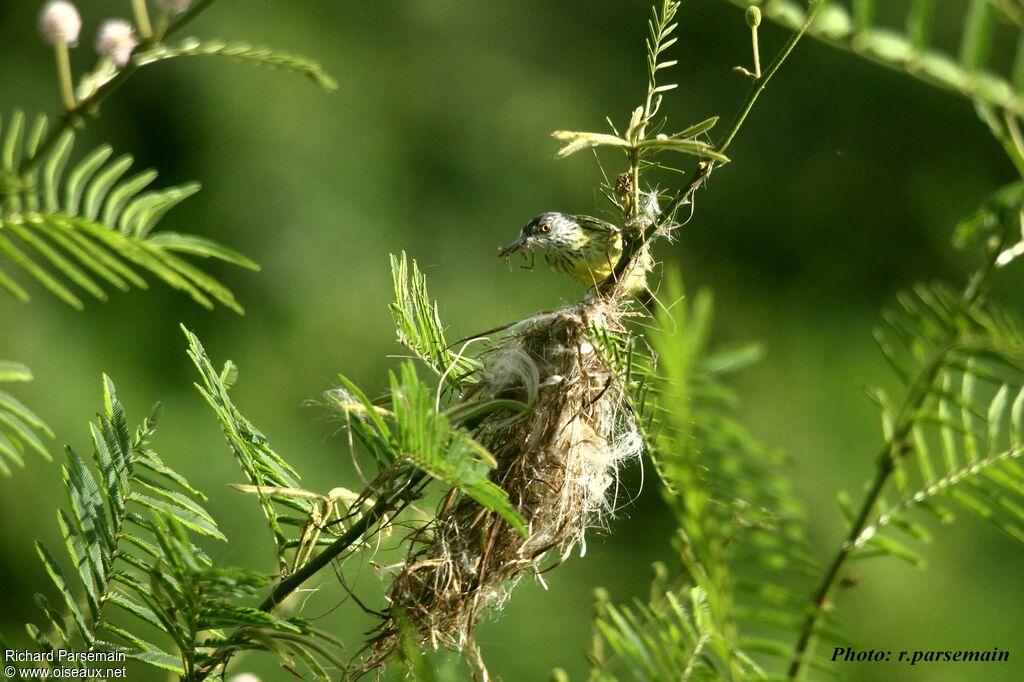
546	231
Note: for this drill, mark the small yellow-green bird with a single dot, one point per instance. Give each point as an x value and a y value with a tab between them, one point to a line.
584	248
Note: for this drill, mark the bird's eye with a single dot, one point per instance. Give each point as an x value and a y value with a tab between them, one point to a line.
544	228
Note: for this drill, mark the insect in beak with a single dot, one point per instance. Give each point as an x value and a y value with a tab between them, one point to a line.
521	243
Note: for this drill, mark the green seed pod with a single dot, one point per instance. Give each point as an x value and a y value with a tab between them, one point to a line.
753	16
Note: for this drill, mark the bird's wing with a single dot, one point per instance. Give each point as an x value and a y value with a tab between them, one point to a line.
592	224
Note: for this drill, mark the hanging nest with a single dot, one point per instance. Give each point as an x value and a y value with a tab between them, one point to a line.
558	463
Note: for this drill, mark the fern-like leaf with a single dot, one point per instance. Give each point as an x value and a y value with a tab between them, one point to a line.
92	228
20	427
996	226
743	539
262	466
110	539
419	328
127	531
416	432
242	52
196	602
670	638
427	438
961	446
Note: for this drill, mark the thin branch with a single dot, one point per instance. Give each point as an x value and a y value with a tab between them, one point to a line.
748	104
74	114
384	505
378	511
701	174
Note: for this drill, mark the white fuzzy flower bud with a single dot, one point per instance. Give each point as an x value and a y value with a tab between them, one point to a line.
59	22
244	677
177	6
116	40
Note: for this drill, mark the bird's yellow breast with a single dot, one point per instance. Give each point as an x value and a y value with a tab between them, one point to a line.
590	262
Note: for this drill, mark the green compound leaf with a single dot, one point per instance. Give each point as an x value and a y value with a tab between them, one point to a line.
93	227
193	47
20	427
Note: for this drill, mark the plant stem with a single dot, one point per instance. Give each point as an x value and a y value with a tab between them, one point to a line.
67	90
757	51
75	111
142	18
367	521
634	174
353	535
748	104
380	509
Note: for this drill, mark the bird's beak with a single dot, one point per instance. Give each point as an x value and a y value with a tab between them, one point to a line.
522	242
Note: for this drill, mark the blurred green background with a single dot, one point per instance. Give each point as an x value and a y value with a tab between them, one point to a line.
846	184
